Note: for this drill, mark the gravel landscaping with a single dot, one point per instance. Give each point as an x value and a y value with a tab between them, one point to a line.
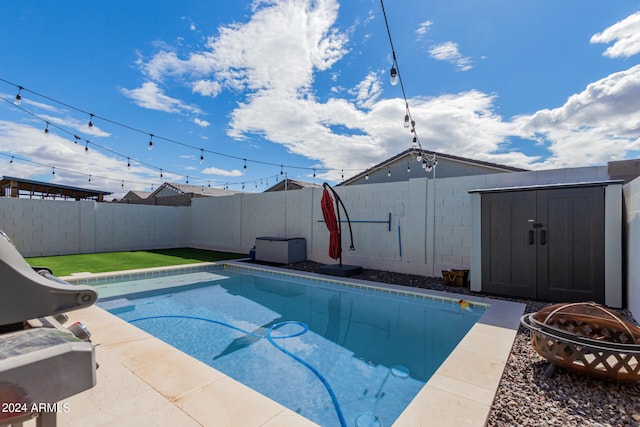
525	397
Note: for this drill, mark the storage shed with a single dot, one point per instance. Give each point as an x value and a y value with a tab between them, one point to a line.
555	243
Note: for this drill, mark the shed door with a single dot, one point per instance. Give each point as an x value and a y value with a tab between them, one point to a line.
544	244
508	258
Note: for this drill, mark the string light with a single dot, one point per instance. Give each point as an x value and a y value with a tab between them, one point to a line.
53	170
46	130
11	161
89	178
90	124
201	156
393	74
245	164
406	115
396	77
86	147
408	168
388	171
18	96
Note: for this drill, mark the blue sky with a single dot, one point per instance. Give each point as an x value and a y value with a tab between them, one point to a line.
305	84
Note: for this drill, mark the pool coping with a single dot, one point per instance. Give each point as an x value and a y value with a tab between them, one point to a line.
461	391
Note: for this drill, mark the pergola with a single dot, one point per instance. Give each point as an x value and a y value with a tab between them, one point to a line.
25	188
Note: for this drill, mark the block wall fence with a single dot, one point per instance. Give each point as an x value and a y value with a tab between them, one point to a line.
429	228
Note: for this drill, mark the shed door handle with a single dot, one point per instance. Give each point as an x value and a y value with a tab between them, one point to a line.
543	237
531	237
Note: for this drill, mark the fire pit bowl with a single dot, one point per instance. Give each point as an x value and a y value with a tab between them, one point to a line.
587	338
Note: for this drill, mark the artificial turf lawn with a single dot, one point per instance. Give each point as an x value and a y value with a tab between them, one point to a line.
64	265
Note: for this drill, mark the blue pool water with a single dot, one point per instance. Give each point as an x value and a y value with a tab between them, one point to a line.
373	350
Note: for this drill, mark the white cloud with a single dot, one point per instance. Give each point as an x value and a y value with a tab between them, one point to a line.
625	36
201	123
448	51
149	95
368	90
206	87
423	27
600	124
221	172
250	56
78	125
269	59
36	155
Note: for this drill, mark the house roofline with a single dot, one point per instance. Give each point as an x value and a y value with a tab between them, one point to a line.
438	155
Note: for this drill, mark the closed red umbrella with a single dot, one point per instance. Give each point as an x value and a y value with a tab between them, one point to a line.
329	214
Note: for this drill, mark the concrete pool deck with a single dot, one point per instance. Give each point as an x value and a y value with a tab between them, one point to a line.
142	381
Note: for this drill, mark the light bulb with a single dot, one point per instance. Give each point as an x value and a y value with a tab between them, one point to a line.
394	76
18	96
150	142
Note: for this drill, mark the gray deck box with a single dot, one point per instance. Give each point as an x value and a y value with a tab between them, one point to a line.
281	250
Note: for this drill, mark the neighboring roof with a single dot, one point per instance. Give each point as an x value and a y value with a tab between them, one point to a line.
173	194
291	184
195	190
136	195
411	152
42	189
624	169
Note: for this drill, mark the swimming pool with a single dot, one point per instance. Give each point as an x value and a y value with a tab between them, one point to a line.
375	349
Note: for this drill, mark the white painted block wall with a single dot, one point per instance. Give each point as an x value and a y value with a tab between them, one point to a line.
57	227
632	249
434	217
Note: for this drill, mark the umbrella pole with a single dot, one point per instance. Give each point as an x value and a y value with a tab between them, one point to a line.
338	203
339	229
346	270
